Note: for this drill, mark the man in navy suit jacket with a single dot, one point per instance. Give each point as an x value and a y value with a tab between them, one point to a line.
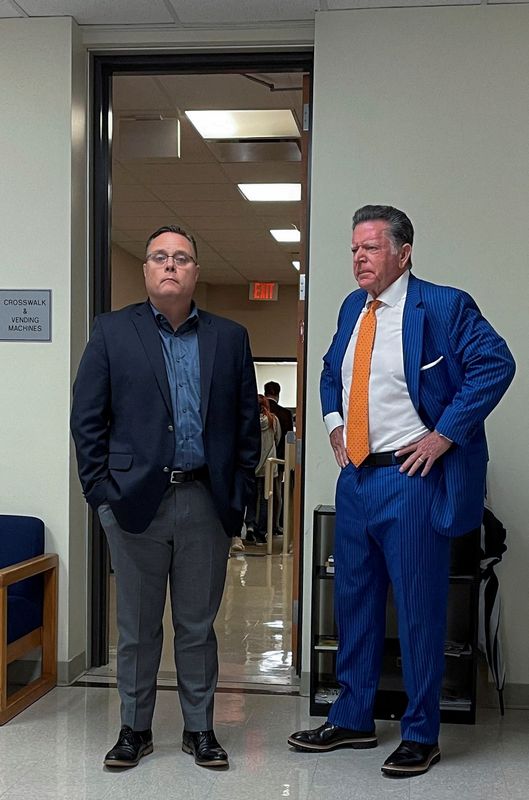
166	426
437	370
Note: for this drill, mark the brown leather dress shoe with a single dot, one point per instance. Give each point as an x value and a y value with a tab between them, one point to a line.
331	737
410	759
129	748
204	746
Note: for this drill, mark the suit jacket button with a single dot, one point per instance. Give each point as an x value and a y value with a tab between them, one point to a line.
170	428
166	469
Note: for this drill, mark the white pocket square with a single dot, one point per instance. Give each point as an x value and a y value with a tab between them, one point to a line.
431	364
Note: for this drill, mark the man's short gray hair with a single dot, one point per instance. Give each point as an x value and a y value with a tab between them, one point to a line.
399	224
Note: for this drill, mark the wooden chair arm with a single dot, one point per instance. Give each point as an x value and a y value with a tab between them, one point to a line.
26	569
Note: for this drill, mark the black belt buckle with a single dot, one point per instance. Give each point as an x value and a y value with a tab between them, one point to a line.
178	476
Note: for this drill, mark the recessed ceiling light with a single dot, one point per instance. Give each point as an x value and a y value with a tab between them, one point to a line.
296	265
286	235
247	124
271	192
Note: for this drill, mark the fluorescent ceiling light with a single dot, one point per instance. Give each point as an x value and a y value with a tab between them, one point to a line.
271	192
263	124
296	265
287	235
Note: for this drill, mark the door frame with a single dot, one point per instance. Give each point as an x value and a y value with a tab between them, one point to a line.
103	67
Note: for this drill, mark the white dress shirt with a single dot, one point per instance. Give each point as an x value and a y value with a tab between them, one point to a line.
393	420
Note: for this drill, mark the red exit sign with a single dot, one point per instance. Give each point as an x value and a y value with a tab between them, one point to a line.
263	291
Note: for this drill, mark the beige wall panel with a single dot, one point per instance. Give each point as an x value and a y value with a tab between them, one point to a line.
428	109
42	238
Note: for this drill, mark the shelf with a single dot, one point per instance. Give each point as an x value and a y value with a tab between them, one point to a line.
326	643
322	573
325	696
458	702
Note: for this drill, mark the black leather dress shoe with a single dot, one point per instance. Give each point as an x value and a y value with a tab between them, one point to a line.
411	758
129	748
204	746
331	737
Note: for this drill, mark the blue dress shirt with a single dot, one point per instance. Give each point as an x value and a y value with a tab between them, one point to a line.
182	364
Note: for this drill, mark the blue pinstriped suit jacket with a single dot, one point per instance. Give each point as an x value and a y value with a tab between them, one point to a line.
454	396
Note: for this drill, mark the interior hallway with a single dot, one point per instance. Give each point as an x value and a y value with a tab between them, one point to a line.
253	625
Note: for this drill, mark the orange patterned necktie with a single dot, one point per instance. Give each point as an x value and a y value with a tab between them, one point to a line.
358	413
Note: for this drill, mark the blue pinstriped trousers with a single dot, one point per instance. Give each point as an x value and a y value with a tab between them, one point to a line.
383	533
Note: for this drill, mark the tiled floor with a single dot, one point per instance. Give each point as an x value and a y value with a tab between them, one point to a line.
54	750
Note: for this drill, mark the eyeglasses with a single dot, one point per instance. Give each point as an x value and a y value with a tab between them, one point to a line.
179	259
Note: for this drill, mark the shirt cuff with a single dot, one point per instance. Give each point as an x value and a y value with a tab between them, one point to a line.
332	421
443	436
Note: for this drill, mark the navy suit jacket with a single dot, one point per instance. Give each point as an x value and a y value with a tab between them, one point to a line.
122	417
473	370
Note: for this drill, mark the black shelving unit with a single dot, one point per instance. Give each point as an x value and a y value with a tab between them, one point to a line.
458	702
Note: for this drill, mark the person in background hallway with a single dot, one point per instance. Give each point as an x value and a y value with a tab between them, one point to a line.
411	374
257	511
166	429
272	390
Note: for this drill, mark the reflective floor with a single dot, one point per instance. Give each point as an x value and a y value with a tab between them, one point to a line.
55	748
253	626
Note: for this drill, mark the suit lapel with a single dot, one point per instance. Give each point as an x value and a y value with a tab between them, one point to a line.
412	337
145	324
207	344
345	332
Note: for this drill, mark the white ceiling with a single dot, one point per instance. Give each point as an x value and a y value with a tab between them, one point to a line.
199	13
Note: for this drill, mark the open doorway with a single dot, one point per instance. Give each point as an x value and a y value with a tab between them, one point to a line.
146	109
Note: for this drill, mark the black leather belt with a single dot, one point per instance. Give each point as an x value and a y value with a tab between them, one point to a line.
180	476
383	460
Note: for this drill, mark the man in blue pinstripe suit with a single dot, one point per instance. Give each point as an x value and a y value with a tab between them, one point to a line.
437	369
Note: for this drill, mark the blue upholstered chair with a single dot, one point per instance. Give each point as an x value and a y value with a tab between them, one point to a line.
28	608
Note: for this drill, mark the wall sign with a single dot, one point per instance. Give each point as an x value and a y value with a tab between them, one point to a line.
25	315
263	291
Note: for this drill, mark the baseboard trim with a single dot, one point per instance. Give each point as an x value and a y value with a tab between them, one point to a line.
304	684
69	671
515	696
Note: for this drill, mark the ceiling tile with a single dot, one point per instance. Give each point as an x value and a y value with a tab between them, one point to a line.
348	4
234	11
196	192
131	193
121	176
101	12
269	172
285	211
205	225
8	10
199	92
124	209
142	227
119	236
235	152
235	236
211	210
136	249
138	93
152	174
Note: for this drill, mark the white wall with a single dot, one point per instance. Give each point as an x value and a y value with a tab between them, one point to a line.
428	109
42	241
284	373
